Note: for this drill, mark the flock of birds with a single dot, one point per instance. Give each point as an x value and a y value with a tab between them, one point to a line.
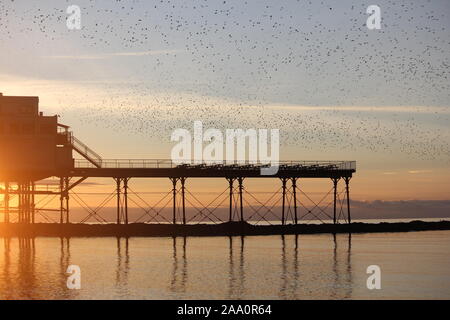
248	64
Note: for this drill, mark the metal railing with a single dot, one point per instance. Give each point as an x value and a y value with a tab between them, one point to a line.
167	164
90	155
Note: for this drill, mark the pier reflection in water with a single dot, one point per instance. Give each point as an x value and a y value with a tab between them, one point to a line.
179	267
266	267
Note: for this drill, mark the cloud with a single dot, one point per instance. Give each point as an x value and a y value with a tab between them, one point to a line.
144	53
401	209
77	57
419	171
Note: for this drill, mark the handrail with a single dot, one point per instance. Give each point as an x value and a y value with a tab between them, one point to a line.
167	163
86	152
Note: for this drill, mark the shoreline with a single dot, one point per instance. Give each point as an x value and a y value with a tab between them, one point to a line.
223	229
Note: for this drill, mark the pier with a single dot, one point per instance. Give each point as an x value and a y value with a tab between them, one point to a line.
34	147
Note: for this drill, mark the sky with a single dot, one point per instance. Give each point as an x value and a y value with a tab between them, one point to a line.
137	70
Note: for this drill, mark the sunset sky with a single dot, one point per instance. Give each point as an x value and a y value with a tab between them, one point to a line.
137	70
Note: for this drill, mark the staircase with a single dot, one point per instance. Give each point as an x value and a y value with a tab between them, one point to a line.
86	152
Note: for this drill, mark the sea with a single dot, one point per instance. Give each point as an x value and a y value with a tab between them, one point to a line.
410	265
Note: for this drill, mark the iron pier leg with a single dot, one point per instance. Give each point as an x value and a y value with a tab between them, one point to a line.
347	188
283	188
230	182
28	202
240	179
33	188
6	201
66	196
22	202
125	195
118	182
335	182
174	191
19	201
182	180
61	199
25	202
294	193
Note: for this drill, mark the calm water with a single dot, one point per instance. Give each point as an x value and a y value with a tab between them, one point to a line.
413	265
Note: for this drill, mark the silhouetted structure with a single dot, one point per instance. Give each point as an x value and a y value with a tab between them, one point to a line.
34	147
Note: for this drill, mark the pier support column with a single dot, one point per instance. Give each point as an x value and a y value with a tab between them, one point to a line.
241	204
125	198
24	202
174	192
183	203
335	182
294	194
118	191
25	207
122	200
283	190
61	199
33	211
66	197
29	204
347	189
6	203
230	183
19	202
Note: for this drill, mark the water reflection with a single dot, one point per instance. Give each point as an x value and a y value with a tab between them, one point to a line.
26	264
284	275
179	273
64	260
21	277
6	276
123	261
290	271
236	274
289	276
334	288
282	266
342	288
